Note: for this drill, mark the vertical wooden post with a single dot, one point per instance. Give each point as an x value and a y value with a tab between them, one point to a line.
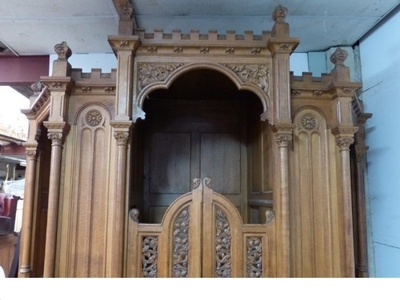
60	85
26	229
124	47
281	46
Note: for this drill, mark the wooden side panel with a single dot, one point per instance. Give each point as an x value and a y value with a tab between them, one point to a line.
84	243
311	200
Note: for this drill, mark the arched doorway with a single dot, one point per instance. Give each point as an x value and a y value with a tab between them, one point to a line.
201	126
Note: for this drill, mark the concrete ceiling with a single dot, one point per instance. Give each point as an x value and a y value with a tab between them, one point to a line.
33	27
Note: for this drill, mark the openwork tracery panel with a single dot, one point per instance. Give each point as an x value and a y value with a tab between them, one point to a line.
254	257
223	245
181	244
149	256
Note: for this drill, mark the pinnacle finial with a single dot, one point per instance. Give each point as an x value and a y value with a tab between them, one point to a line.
63	51
279	13
339	56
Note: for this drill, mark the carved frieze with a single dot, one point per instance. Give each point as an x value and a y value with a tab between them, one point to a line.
223	245
150	73
181	244
257	74
149	256
254	257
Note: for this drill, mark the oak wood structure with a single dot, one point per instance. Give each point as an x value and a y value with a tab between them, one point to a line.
112	159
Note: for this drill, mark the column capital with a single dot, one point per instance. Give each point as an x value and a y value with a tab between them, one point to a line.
121	131
283	134
344	136
56	131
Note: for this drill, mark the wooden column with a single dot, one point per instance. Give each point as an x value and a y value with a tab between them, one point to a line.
60	85
359	198
342	91
281	46
124	47
26	229
283	136
36	114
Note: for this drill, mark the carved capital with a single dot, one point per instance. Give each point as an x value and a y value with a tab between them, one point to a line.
283	134
344	136
121	137
282	45
56	138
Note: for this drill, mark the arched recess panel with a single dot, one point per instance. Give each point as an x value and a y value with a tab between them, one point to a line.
86	194
312	235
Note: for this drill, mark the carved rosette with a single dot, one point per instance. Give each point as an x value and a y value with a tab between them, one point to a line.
254	257
93	117
309	122
223	245
257	74
149	256
181	244
150	73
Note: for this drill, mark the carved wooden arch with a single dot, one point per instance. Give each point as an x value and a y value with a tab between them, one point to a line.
259	86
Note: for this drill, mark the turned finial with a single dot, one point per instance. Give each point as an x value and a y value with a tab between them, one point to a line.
280	13
339	56
63	51
126	11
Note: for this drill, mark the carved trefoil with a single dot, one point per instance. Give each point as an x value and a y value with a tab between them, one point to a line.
181	244
254	257
149	256
223	245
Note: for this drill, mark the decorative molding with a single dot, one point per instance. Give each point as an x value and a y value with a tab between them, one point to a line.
181	244
223	245
134	214
178	49
309	122
296	92
284	46
269	216
317	93
56	84
257	74
152	49
149	256
204	50
256	51
347	90
93	117
109	89
150	73
254	257
86	89
230	50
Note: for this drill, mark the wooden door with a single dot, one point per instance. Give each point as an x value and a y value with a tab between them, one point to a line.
200	235
190	139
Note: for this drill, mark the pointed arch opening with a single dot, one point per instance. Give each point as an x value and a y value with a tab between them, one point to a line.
202	125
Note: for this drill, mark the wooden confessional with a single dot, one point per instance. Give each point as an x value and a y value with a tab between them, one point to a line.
199	156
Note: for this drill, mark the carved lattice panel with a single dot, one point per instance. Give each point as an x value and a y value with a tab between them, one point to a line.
223	245
254	257
181	244
149	256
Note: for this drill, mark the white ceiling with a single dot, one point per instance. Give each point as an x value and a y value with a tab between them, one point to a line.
34	27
